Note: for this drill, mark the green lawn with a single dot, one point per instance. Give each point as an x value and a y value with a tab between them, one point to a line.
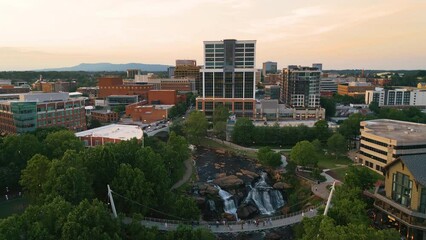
329	162
12	206
339	173
209	143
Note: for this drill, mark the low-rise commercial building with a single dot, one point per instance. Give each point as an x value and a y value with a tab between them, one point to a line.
150	113
354	89
113	133
396	97
168	97
183	85
115	100
115	86
10	89
105	116
401	204
34	110
383	140
273	111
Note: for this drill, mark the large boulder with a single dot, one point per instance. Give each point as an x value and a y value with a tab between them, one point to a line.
249	174
245	211
281	185
230	181
208	189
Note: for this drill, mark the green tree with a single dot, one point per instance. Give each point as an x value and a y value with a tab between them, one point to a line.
323	227
196	126
119	109
219	130
350	127
337	145
189	233
348	207
268	157
57	143
329	105
374	107
94	123
243	132
102	166
321	130
45	221
186	208
360	177
69	179
304	154
91	220
132	184
220	114
35	175
318	146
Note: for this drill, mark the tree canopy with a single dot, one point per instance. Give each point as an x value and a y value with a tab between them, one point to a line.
196	126
304	154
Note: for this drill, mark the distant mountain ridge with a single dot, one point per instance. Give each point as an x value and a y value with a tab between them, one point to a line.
110	67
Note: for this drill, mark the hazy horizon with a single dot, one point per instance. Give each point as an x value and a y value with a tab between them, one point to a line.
374	34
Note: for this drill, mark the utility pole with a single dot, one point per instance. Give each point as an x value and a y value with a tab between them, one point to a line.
329	199
114	211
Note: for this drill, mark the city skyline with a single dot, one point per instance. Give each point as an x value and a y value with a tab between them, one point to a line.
342	35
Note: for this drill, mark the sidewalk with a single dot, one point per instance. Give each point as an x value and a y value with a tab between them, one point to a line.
321	190
186	176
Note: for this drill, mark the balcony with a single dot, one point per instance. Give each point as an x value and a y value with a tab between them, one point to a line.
404	214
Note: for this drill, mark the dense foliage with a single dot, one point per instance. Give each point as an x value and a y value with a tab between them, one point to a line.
245	133
269	157
347	218
67	185
196	126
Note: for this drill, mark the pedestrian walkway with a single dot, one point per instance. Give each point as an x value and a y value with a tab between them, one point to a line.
321	189
186	176
228	227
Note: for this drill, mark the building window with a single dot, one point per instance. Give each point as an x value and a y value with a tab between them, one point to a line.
422	205
401	189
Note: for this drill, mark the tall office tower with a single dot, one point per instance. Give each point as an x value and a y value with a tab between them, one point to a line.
269	67
228	77
301	87
317	65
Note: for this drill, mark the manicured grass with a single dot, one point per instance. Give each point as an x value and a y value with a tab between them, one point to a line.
329	162
209	143
339	173
10	207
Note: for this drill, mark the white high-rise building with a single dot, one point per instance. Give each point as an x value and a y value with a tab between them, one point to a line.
228	77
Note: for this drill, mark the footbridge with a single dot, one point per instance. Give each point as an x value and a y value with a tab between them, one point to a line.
230	227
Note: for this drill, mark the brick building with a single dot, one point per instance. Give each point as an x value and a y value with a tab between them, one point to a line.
149	113
115	86
105	116
34	110
10	89
112	133
168	97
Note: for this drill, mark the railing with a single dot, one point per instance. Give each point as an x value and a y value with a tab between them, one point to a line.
213	223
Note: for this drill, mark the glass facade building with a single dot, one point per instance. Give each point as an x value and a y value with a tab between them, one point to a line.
228	77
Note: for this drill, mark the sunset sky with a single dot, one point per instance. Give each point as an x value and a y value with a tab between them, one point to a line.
369	34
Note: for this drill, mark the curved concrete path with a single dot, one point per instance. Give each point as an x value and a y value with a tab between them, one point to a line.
186	176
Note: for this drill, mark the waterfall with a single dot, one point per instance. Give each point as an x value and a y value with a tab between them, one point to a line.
266	199
212	205
228	202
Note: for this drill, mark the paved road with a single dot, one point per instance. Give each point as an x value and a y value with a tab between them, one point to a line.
233	227
186	176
